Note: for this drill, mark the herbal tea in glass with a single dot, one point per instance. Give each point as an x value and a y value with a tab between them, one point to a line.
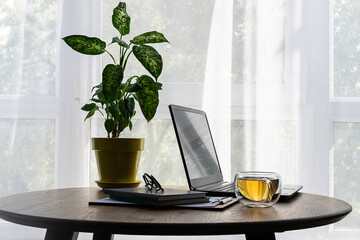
258	189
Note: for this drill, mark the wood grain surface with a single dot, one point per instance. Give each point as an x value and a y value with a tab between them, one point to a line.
68	210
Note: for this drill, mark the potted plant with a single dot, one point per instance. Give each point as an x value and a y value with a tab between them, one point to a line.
118	158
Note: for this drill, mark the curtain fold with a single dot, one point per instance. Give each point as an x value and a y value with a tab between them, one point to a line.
217	82
76	76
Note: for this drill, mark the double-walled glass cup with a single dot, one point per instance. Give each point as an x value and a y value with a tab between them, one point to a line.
258	189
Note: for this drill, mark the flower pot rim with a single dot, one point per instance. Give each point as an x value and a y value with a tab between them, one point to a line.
118	144
124	138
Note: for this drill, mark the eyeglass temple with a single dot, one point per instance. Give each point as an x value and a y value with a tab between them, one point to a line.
151	182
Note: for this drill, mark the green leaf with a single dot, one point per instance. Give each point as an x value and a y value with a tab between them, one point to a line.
109	125
89	107
149	37
148	96
158	86
99	93
98	90
130	125
113	109
149	58
111	79
90	114
98	100
130	106
85	45
120	19
123	109
99	86
120	42
133	88
127	107
122	123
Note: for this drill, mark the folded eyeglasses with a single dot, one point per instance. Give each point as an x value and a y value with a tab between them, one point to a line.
151	183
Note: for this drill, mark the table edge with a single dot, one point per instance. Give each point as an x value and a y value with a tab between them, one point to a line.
171	228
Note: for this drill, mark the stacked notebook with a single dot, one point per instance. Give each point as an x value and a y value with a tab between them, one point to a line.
168	197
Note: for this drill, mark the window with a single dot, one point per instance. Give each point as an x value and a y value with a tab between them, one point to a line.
28	112
346	49
27	124
346	168
345	100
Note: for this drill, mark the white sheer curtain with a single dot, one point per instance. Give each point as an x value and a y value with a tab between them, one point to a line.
270	74
217	81
76	74
43	85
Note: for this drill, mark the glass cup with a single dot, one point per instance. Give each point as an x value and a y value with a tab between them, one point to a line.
257	189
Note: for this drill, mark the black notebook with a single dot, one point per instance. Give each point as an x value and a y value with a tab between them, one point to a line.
212	203
169	194
142	201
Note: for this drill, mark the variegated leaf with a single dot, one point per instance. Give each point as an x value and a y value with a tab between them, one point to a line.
149	58
85	45
111	79
120	19
149	37
148	96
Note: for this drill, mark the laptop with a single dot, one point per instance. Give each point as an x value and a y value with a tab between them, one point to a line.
198	153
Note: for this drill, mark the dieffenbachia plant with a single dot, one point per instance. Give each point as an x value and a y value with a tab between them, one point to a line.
113	97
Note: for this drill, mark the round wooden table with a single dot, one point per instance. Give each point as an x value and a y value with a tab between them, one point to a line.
65	212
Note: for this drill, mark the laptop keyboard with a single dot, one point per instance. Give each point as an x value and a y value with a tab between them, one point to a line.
226	188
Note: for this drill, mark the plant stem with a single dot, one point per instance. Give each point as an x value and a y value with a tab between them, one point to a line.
111	56
114	132
130	79
123	55
124	65
129	82
120	56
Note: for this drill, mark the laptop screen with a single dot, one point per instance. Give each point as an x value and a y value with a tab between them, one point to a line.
196	145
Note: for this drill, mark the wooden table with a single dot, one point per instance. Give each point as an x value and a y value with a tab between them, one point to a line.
65	212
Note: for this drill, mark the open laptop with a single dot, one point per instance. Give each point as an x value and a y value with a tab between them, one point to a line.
199	156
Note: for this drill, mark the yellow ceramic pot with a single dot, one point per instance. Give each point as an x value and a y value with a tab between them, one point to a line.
117	158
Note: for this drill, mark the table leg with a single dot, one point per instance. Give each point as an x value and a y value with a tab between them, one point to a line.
103	236
261	236
61	235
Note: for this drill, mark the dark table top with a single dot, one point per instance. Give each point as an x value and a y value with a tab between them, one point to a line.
68	209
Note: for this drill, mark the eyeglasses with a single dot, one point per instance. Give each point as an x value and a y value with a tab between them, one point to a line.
151	183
